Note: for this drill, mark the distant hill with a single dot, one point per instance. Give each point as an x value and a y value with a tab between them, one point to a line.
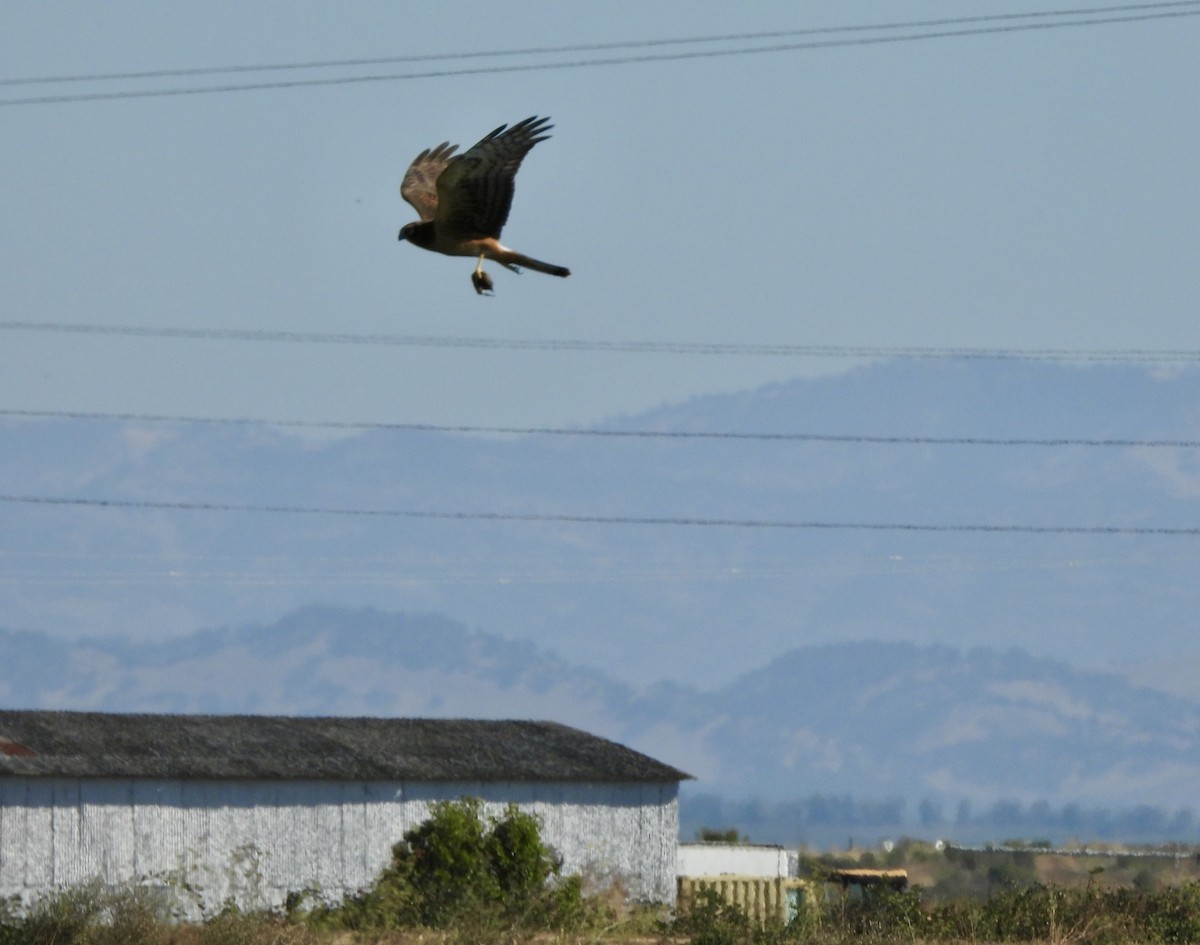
696	604
980	724
860	719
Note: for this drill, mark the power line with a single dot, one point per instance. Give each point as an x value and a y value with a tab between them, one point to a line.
583	47
539	518
592	63
1139	355
631	434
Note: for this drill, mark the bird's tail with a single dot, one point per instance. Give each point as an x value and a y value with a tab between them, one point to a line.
509	258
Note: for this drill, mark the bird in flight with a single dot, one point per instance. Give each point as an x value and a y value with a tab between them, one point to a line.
463	200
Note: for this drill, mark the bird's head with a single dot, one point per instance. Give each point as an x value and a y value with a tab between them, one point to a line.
418	233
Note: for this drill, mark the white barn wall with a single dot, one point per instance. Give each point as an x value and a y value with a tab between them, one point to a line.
255	841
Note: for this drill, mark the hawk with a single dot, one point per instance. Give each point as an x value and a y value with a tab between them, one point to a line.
463	200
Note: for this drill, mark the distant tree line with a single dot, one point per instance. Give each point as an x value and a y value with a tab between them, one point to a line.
790	821
1143	821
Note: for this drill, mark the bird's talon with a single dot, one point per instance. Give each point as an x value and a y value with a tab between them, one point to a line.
482	282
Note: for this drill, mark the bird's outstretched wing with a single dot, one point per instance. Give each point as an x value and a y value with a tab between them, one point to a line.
475	190
419	186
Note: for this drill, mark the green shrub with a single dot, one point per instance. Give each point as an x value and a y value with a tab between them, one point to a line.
1037	913
459	871
87	915
720	835
446	860
710	920
1172	915
234	927
880	913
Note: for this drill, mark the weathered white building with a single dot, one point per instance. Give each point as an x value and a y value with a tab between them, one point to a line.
249	808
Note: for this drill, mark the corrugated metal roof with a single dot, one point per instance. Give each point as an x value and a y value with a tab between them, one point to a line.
104	745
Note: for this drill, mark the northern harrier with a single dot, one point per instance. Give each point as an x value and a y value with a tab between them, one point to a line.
464	200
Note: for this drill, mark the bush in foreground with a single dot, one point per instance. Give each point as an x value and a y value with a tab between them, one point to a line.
87	915
458	868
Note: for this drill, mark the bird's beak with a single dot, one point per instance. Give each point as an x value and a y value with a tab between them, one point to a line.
401	236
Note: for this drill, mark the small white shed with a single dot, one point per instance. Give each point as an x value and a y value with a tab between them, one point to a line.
249	808
765	861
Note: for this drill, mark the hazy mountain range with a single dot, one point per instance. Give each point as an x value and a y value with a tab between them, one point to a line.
862	719
695	603
826	592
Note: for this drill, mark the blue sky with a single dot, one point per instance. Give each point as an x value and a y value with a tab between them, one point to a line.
1025	189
